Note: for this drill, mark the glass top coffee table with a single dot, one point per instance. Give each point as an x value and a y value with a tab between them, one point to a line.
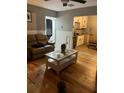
59	61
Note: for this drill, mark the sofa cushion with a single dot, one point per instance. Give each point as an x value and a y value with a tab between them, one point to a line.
39	50
48	48
41	38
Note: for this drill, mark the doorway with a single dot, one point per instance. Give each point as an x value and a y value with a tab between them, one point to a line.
50	28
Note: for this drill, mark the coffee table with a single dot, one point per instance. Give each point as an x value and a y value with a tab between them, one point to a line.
58	61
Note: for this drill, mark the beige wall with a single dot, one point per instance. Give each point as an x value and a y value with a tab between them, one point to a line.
32	25
38	17
92	25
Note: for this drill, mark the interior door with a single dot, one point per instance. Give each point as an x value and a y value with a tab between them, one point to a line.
49	28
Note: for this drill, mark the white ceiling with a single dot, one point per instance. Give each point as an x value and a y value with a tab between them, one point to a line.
57	5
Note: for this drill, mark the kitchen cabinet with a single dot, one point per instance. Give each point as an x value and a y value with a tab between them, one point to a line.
76	23
81	21
76	19
78	40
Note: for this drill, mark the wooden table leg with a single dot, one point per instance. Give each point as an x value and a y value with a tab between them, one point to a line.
47	63
58	68
46	67
58	72
76	57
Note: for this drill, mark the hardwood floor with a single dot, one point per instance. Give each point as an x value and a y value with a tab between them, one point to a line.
79	77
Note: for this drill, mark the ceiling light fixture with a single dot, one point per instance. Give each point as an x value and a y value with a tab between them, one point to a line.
80	1
84	1
65	2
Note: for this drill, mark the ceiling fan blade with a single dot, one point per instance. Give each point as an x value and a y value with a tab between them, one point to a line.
80	1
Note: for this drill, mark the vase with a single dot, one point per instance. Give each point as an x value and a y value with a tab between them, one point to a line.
63	47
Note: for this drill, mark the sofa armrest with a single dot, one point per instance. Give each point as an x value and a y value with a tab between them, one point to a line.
51	43
29	53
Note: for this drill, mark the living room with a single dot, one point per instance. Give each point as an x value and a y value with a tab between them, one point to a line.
39	78
40	75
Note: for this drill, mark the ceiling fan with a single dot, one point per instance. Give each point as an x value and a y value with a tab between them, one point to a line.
65	2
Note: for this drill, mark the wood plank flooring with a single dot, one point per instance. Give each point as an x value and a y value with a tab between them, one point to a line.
79	77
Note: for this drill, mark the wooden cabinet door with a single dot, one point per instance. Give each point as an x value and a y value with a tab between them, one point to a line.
76	23
80	40
83	22
76	19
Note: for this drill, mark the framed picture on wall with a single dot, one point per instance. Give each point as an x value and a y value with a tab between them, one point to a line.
29	16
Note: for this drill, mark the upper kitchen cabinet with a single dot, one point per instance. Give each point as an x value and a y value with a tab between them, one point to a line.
76	23
76	19
80	22
83	21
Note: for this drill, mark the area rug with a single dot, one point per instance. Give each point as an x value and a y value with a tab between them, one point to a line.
36	76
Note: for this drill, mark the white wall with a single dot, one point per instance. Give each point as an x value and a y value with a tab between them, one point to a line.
63	37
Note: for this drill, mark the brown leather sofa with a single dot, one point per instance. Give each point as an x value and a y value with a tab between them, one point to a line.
37	46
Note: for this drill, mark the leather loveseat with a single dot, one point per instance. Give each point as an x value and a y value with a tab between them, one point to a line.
37	46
